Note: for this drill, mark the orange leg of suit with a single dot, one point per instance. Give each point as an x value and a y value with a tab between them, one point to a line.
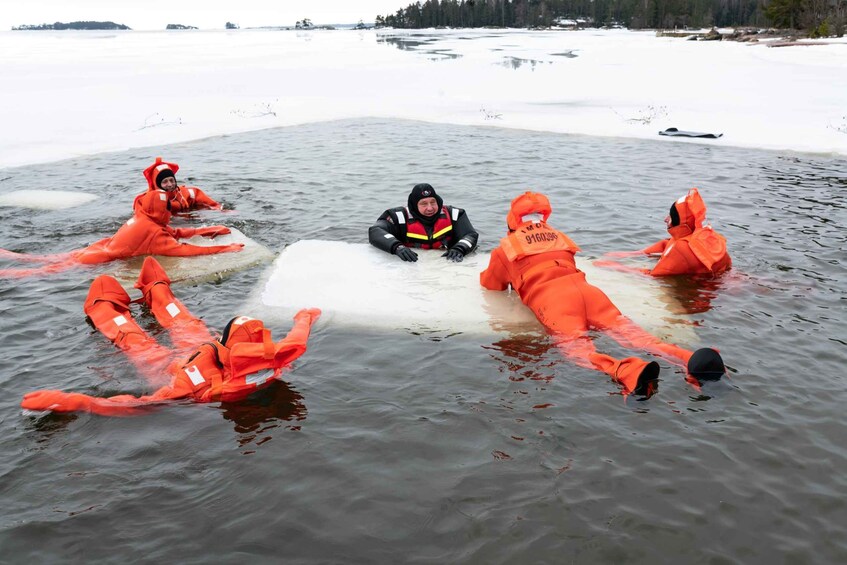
569	306
107	305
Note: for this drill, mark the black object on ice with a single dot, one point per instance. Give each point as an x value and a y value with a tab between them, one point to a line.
677	133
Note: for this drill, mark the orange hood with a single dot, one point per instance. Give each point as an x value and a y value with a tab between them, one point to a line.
151	172
525	204
691	211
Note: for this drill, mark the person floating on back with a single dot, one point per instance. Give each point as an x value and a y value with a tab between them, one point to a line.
146	233
692	249
426	223
161	175
538	262
243	360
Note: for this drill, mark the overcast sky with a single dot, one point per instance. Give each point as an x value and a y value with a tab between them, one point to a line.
205	14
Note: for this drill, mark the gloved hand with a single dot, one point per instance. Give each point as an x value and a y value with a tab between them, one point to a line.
308	314
405	253
454	255
213	231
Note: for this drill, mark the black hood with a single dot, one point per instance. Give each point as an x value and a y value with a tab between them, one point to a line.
419	192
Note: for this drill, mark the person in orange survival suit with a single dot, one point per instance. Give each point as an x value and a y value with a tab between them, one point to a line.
538	262
229	369
692	249
146	233
426	224
161	175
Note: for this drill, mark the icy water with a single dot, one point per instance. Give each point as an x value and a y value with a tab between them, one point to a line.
392	448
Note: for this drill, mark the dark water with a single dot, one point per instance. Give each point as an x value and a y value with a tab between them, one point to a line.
433	448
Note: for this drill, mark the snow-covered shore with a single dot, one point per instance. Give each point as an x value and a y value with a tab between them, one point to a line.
72	93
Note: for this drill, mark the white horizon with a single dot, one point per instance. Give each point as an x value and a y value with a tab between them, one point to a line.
204	14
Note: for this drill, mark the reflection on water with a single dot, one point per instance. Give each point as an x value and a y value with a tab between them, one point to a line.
521	356
405	43
517	62
256	417
415	44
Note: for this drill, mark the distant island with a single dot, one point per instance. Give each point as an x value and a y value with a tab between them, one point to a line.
111	26
179	26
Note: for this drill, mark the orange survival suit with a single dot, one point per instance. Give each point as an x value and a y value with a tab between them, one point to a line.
146	233
183	198
244	360
538	262
692	249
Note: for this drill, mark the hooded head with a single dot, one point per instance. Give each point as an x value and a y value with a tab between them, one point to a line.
419	192
155	205
687	214
159	171
526	205
243	329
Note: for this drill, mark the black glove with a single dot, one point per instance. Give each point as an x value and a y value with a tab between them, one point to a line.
405	253
454	255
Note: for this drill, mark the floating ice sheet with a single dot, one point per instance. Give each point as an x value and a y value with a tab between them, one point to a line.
45	199
356	284
203	267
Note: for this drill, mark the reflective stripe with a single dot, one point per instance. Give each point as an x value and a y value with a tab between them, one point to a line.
417	236
119	320
465	241
163	196
401	219
259	378
191	192
534	218
130	221
172	309
455	214
194	374
162	167
436	235
388	236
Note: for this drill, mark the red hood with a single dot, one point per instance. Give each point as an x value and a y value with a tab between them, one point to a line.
153	170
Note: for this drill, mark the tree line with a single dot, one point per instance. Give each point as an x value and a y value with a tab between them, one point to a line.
87	25
817	17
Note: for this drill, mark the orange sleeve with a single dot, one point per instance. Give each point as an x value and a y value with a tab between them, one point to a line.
189	250
166	244
678	260
496	276
247	358
203	200
121	405
184	233
658	247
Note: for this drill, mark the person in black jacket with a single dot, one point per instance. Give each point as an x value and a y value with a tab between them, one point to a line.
426	223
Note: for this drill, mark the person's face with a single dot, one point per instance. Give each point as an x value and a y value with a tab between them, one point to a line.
668	221
169	184
428	206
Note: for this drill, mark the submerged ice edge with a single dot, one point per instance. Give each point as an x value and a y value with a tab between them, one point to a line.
622	84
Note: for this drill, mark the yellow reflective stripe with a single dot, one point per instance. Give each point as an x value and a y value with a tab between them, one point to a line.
442	232
416	236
